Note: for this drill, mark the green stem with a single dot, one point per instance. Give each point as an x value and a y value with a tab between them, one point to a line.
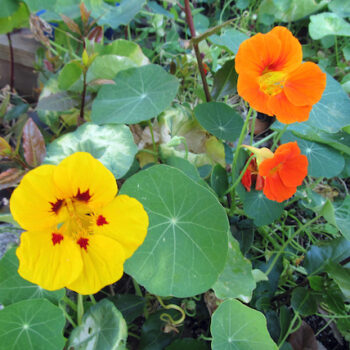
137	288
291	329
252	129
285	245
167	317
66	315
280	133
238	146
92	298
258	143
80	310
70	303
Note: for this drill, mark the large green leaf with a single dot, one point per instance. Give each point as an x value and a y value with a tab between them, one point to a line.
123	48
38	5
14	288
318	256
32	325
8	7
103	328
220	120
18	19
323	160
70	74
186	246
139	94
236	281
230	39
342	216
290	10
340	7
330	114
113	145
235	326
108	66
328	23
61	101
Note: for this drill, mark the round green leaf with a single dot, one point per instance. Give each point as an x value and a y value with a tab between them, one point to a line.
8	7
340	7
14	288
113	145
236	281
303	301
103	328
328	23
218	180
32	325
220	120
235	326
259	208
323	160
139	94
107	67
186	246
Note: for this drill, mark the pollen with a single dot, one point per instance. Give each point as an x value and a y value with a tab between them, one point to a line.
83	242
272	83
56	238
101	220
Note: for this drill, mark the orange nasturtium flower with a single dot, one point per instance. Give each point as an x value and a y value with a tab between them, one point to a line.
78	233
273	79
283	171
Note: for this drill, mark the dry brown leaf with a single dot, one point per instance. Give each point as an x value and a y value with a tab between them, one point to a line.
304	338
33	144
71	24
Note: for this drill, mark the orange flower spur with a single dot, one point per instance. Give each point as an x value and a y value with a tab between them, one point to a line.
273	79
78	232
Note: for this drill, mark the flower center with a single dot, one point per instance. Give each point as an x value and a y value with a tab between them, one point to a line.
274	170
272	83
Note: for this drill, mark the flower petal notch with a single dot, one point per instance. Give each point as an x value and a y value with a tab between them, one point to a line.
78	233
273	79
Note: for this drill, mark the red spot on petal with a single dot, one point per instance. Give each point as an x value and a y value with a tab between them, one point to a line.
101	220
56	238
83	196
56	206
83	242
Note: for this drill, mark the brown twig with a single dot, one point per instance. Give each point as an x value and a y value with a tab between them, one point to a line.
12	63
196	49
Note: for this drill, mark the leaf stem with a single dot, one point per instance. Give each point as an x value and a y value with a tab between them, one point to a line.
80	309
196	50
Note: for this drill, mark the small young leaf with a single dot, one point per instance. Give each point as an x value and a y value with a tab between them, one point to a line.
33	144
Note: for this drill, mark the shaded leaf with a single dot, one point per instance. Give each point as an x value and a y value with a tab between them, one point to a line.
131	306
304	301
33	144
303	338
225	81
230	39
57	102
103	327
341	276
14	288
34	324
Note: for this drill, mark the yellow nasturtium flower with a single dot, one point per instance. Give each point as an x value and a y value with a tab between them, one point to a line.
78	233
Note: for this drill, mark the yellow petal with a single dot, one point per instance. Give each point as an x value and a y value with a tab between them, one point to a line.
86	178
125	220
260	153
50	259
103	261
32	201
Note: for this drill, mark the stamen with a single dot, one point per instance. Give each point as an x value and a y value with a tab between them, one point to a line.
84	197
56	238
101	220
55	207
83	242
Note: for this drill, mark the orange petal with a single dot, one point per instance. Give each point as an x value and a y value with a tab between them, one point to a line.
291	54
275	190
257	53
305	85
294	171
286	112
249	89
